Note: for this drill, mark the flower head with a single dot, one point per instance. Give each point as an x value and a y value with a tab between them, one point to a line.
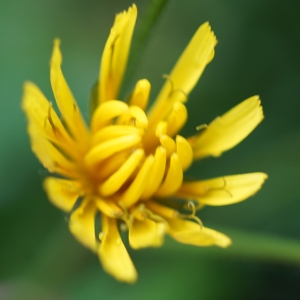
128	164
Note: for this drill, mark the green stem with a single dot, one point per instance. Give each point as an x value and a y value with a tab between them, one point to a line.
149	20
254	246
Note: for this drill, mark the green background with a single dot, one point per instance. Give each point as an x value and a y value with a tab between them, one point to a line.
258	52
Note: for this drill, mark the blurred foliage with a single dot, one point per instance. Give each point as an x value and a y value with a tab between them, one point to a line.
258	52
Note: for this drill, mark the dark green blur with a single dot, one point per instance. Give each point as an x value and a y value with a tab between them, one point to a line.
258	52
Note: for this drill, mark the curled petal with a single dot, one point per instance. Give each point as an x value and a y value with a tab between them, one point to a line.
140	94
135	190
228	130
184	151
110	147
223	190
106	112
146	233
168	144
82	224
173	178
62	193
157	174
113	131
113	254
115	54
177	118
135	116
188	232
116	180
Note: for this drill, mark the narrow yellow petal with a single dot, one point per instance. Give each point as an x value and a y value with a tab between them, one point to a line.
135	190
106	112
156	176
146	233
113	254
115	54
139	116
186	73
108	148
223	190
114	131
141	94
65	100
177	118
112	164
168	143
173	178
161	210
116	180
161	128
107	207
62	193
184	151
135	116
228	130
191	233
82	224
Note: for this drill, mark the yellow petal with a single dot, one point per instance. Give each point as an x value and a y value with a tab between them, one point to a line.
82	224
141	94
186	73
177	118
112	164
146	233
108	148
65	100
62	193
107	207
135	190
156	176
188	232
161	210
106	112
184	151
135	116
228	130
115	54
113	254
168	144
173	178
116	180
223	190
113	131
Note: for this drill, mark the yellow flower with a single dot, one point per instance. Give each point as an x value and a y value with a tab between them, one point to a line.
128	165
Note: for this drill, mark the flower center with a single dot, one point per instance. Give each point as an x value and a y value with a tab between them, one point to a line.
127	159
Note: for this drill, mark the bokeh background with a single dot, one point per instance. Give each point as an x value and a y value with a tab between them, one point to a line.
258	53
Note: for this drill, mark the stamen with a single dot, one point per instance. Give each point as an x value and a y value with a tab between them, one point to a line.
192	216
202	126
147	214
